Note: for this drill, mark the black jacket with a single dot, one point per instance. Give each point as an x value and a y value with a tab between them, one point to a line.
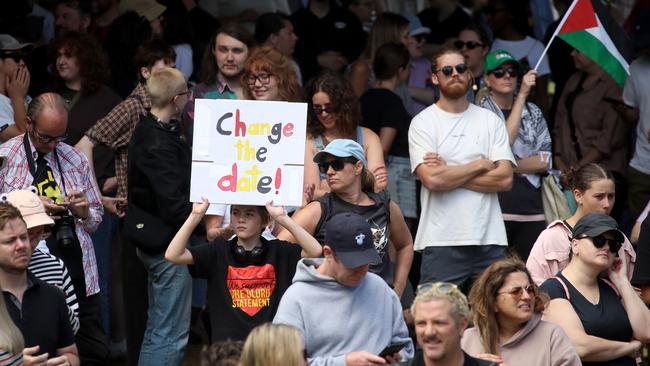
159	170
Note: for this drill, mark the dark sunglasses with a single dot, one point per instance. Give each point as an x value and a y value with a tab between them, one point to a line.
420	37
518	292
336	164
600	241
17	57
469	44
318	109
502	71
448	70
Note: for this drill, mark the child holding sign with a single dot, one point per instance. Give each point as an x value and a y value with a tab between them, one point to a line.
248	274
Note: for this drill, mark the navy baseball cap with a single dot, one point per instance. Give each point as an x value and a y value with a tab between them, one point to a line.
594	224
342	148
350	237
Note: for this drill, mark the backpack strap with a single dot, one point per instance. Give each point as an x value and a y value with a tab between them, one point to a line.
566	289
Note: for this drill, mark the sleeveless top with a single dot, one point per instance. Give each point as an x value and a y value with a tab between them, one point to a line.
378	217
320	146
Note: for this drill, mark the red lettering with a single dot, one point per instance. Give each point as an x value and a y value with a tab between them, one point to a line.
240	126
229	182
287	130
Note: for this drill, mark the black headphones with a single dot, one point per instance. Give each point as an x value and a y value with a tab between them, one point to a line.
254	256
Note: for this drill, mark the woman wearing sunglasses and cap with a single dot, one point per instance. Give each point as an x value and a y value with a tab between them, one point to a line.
592	298
530	141
344	165
508	327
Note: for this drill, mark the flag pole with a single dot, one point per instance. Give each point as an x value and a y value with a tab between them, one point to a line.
557	30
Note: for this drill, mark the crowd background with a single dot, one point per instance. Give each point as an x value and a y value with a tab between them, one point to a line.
364	68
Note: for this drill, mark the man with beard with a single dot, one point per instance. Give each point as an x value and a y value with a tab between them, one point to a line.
441	314
460	153
37	308
72	16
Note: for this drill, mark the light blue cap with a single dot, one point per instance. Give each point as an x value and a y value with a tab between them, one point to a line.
416	27
342	148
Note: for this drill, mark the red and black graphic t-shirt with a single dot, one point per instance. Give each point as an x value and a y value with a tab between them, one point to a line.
241	294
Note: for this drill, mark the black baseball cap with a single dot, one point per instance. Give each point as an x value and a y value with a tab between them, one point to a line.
350	237
594	224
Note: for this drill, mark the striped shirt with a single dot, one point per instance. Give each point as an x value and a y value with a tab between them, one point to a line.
51	269
7	359
78	176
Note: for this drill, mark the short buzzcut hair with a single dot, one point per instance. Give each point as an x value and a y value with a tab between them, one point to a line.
443	291
164	85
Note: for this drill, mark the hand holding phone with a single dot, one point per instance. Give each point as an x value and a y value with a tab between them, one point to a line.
391	350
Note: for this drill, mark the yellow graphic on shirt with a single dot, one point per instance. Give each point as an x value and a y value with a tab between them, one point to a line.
251	287
49	188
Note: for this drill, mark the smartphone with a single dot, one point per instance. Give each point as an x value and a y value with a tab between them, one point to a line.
391	349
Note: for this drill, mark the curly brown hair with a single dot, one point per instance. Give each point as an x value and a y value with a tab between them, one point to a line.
271	61
483	295
342	98
93	64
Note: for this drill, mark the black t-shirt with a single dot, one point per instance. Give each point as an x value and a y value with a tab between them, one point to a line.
642	272
607	319
447	28
241	294
418	360
378	217
383	108
43	316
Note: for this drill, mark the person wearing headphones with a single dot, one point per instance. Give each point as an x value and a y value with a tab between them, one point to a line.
248	274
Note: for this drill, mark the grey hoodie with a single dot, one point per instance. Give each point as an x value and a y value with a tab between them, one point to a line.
335	320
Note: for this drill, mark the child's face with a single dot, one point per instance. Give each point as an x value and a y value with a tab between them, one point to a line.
246	221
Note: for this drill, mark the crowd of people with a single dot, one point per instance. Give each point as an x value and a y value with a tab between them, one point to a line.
468	199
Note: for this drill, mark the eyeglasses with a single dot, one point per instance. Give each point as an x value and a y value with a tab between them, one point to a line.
263	78
17	57
501	72
600	241
336	164
469	44
518	292
47	139
448	70
318	109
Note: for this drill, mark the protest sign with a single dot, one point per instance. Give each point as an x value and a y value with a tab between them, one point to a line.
248	152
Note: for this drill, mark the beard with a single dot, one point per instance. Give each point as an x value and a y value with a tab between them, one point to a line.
455	89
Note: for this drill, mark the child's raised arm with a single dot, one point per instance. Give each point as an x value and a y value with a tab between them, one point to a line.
177	252
311	248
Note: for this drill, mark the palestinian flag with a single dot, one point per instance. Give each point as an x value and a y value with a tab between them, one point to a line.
588	27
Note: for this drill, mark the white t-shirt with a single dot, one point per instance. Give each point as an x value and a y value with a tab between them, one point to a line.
6	112
460	216
528	48
637	94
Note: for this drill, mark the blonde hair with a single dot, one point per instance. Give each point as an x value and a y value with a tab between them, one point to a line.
11	340
273	345
443	291
164	85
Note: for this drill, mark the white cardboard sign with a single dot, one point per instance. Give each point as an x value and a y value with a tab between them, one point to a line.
248	152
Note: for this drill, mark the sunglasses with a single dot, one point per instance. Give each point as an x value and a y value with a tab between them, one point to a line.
263	78
518	292
600	241
336	164
17	57
444	287
448	70
318	109
469	44
501	72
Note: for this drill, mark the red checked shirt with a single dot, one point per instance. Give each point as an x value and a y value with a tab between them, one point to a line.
77	175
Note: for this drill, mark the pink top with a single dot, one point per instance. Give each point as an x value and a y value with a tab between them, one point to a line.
550	253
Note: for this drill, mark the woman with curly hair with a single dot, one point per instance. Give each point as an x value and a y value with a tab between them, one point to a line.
334	113
508	327
270	75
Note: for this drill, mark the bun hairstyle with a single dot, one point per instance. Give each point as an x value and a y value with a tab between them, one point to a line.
582	177
367	181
